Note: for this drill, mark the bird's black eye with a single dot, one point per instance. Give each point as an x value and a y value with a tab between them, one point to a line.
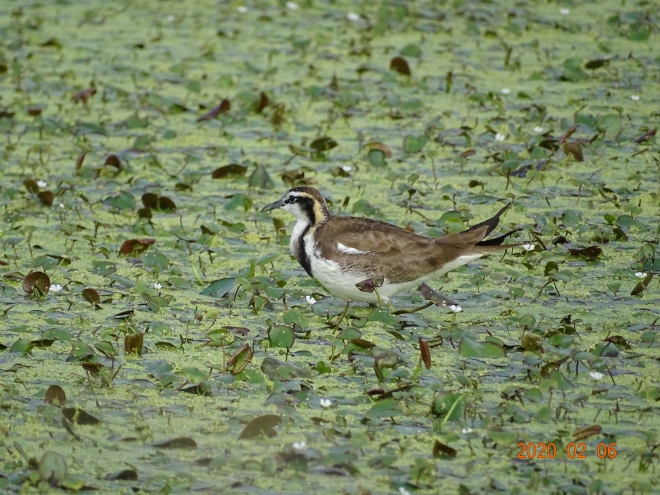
291	199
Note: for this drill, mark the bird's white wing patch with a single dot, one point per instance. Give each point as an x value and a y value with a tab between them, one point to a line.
349	250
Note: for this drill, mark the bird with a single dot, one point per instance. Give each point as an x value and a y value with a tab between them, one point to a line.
341	251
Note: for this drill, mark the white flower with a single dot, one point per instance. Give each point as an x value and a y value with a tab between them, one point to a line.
242	9
56	288
640	275
171	18
528	247
564	11
299	445
157	285
596	375
291	5
326	402
633	98
403	491
466	430
353	17
42	183
455	308
500	137
346	168
310	300
61	205
506	91
538	129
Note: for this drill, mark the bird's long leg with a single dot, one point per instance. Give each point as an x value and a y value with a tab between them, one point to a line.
380	301
341	316
414	310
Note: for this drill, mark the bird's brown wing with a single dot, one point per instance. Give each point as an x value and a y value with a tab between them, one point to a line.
393	252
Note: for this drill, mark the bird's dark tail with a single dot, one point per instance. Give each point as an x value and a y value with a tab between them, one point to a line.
498	240
491	222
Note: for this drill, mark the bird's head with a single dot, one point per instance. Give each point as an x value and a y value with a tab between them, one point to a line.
305	203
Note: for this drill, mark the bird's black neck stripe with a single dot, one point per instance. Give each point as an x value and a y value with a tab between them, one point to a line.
302	257
316	214
307	205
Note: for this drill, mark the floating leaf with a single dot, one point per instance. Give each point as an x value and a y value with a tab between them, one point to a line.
240	359
639	32
550	266
647	135
219	288
38	281
261	178
124	315
165	204
648	251
597	63
281	336
370	285
414	144
106	348
79	161
279	371
149	200
103	268
386	359
610	125
375	145
31	186
532	342
175	443
91	367
52	468
222	108
123	475
80	351
80	417
22	346
448	406
575	149
323	144
443	450
261	425
589	253
584	433
619	341
135	246
400	65
48	261
641	286
133	343
435	297
385	408
84	95
296	317
194	375
229	171
46	198
425	353
411	50
121	200
113	161
55	394
364	344
472	349
91	296
377	158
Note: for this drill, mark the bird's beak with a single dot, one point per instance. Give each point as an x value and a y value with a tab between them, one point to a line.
273	206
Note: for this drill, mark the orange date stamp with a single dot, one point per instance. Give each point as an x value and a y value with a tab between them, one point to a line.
542	450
